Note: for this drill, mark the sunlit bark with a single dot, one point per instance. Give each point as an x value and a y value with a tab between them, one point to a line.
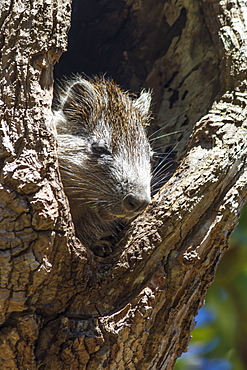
61	306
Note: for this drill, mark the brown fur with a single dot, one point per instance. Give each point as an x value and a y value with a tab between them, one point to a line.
104	155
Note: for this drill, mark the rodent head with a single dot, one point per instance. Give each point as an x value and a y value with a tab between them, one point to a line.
104	153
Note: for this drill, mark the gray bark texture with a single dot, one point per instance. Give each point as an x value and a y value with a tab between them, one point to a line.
61	307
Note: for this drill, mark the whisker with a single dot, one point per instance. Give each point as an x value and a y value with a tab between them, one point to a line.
164	135
100	180
159	148
166	166
83	182
156	187
163	172
166	125
163	160
80	189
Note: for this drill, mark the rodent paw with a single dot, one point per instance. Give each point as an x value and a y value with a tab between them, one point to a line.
102	248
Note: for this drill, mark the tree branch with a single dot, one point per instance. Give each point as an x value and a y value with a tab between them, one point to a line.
61	305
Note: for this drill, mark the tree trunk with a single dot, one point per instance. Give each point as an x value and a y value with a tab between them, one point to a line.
61	306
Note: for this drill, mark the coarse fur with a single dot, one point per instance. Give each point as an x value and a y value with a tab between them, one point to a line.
104	156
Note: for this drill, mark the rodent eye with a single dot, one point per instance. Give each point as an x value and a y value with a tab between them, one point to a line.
100	148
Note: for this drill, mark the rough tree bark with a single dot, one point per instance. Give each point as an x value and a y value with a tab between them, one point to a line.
62	307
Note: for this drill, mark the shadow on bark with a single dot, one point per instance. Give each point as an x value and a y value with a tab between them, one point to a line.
62	307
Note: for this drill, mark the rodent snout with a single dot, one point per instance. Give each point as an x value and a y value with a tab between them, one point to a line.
134	203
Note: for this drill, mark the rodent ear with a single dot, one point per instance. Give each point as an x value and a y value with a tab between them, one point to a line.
79	96
143	103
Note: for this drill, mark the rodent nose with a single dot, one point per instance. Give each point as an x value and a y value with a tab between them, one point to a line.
134	203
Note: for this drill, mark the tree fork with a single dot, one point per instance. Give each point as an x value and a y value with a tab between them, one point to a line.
62	307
